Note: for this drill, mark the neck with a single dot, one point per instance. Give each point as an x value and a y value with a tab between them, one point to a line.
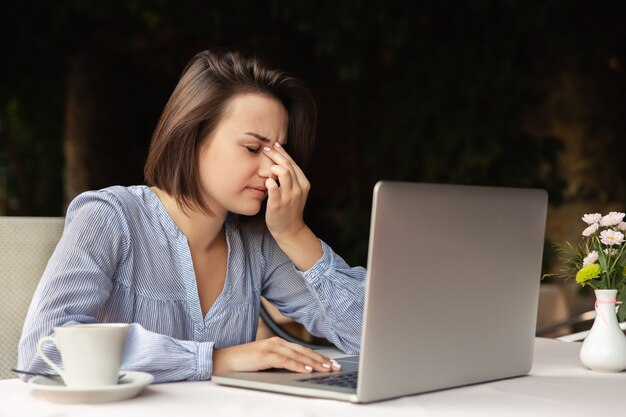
202	231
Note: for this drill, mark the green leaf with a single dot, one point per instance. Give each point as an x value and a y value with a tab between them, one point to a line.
621	311
600	282
602	261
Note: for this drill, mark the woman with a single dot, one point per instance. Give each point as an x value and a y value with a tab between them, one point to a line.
173	257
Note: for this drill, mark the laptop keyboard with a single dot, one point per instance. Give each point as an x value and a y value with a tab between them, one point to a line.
345	380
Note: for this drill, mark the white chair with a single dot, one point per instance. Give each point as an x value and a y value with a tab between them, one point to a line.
26	244
554	319
580	336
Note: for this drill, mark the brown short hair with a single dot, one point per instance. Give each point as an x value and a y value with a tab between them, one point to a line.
208	82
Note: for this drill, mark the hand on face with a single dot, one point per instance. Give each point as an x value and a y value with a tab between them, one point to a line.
285	204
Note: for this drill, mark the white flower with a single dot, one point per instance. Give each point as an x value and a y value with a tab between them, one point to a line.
592	218
611	237
612	219
611	252
622	226
591	258
591	229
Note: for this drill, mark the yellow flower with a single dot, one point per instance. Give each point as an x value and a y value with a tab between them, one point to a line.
588	272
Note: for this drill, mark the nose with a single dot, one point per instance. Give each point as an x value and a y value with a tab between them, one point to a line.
263	170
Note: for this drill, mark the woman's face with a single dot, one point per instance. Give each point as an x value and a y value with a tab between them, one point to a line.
233	167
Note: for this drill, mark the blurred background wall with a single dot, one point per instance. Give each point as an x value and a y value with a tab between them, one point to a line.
485	92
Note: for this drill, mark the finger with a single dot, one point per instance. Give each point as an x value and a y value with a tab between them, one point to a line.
277	360
284	176
313	355
302	359
282	159
308	352
273	190
301	177
301	362
316	356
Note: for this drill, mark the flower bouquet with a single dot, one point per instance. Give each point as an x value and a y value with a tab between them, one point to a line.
599	259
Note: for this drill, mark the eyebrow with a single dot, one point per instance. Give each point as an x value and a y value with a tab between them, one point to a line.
260	137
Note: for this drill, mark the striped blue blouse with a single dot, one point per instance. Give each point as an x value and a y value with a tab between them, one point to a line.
122	259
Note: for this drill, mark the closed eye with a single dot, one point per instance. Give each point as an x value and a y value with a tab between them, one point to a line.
253	149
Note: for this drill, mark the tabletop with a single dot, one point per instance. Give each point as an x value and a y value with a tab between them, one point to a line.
558	385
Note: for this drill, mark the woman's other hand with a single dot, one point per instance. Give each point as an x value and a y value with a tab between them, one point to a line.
270	353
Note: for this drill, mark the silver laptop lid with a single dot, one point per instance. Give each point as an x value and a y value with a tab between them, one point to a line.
452	287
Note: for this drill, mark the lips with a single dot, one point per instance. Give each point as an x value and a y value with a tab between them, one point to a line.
260	188
259	191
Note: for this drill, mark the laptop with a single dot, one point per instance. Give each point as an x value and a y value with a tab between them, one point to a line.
451	299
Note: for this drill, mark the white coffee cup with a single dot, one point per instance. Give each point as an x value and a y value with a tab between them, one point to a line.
91	353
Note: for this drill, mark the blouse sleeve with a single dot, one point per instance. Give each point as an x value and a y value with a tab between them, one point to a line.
77	282
327	299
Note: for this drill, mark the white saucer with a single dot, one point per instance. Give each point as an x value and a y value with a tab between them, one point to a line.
54	390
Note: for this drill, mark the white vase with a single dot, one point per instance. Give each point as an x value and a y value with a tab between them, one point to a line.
604	349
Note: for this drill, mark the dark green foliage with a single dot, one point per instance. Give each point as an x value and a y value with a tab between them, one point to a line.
420	91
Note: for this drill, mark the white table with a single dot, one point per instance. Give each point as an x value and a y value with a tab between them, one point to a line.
557	386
